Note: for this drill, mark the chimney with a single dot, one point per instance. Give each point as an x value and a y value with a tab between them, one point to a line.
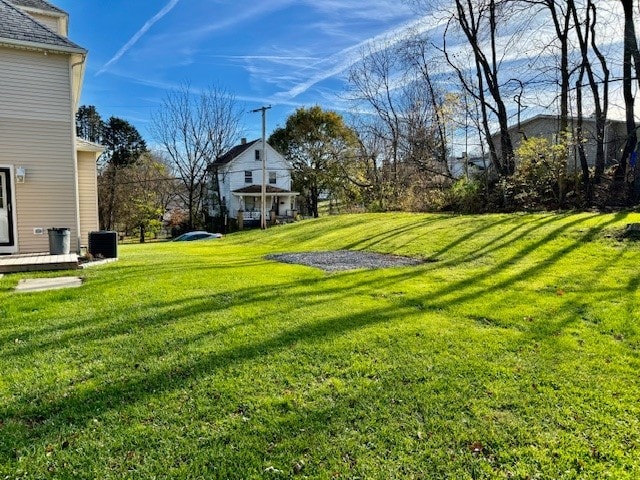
243	141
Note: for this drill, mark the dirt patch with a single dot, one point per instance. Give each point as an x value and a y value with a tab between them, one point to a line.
340	260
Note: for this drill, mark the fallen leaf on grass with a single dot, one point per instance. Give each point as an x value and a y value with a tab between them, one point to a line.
476	448
298	466
272	470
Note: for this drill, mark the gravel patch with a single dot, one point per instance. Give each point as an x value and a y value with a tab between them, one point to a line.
344	260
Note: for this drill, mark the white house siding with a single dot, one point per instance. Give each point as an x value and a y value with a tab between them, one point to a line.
234	177
87	191
37	133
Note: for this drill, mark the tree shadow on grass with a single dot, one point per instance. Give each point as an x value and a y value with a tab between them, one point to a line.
81	405
463	289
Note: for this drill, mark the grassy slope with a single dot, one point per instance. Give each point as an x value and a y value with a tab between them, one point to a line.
511	353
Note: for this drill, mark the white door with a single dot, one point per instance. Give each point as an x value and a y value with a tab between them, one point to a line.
6	218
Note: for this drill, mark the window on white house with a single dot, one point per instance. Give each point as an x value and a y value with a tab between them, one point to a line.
248	176
257	153
273	178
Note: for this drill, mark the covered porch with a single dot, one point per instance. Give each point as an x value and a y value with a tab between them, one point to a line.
281	205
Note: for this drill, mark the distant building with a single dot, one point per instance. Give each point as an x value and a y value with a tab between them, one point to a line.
239	175
548	126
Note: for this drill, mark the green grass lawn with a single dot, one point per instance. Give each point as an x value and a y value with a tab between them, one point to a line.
512	352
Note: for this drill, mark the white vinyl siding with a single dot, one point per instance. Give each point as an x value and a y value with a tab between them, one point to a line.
88	193
234	174
50	21
37	133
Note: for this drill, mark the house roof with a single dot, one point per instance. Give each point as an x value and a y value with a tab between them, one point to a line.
19	28
83	145
556	118
234	152
258	189
38	5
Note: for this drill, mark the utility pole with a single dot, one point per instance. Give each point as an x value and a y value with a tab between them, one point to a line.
263	191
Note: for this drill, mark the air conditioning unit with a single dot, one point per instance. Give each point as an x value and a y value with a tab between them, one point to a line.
103	244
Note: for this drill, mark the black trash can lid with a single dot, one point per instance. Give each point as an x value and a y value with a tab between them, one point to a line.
59	229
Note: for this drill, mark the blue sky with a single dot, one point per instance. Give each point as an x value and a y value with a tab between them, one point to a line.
284	53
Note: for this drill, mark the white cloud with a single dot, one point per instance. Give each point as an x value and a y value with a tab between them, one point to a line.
138	35
196	33
341	61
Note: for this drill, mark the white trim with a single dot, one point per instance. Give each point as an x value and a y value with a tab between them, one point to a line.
40	11
9	42
76	184
14	209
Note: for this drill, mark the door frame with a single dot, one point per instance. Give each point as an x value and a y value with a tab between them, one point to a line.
12	245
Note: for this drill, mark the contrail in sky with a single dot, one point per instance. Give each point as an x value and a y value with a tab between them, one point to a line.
138	35
341	61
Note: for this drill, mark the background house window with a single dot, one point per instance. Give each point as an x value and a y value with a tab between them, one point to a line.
257	153
248	176
273	178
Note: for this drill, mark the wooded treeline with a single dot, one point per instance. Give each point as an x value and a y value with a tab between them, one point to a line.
436	121
421	101
142	191
439	120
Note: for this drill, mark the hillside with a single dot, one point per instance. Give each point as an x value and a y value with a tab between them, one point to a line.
512	351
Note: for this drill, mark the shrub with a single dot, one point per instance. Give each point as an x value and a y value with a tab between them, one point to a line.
540	179
467	196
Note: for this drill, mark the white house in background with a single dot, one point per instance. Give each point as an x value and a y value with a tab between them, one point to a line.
239	176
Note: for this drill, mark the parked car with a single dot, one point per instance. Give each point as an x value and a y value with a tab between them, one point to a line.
197	235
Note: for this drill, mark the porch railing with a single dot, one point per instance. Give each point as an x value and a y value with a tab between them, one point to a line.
251	215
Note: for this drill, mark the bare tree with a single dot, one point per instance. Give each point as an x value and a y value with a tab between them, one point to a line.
373	84
194	130
419	54
587	42
406	118
478	20
560	14
631	66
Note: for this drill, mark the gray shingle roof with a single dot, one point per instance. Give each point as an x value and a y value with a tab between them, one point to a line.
39	4
17	26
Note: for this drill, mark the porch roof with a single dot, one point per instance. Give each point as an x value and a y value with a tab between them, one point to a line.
83	145
256	190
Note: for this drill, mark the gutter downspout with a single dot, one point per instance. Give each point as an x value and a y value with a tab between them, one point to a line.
75	98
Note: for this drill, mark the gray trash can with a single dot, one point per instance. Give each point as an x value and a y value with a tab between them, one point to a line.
59	241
